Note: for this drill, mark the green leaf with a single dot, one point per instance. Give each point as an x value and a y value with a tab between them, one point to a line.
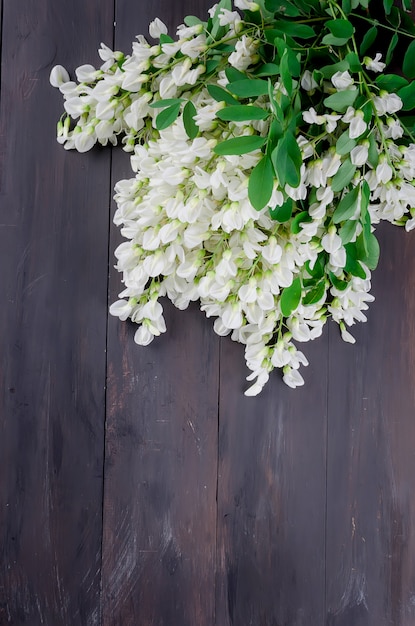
387	5
287	160
319	267
348	231
353	266
190	126
391	82
391	48
341	285
300	218
316	293
340	28
354	62
232	74
282	6
242	113
346	6
347	206
344	144
221	95
240	145
267	69
286	78
343	176
160	104
340	100
407	95
368	250
331	40
408	66
261	183
329	70
373	154
167	116
282	213
294	29
192	20
368	40
249	88
166	38
290	297
294	64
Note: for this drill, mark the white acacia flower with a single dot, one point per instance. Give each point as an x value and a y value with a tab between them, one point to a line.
143	336
157	28
387	103
308	83
355	119
359	154
292	377
58	76
375	65
342	80
246	5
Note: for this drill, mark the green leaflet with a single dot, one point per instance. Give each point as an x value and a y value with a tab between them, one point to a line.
167	116
290	297
353	265
192	20
341	285
340	28
287	160
407	94
348	231
391	82
239	145
285	7
344	144
286	78
316	293
221	95
299	219
328	70
343	176
368	250
267	69
387	5
391	48
241	113
160	104
347	206
249	88
368	40
190	125
295	30
261	183
340	100
284	212
373	155
408	66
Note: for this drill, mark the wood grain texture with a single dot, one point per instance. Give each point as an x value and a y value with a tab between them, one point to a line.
271	497
53	249
159	545
371	468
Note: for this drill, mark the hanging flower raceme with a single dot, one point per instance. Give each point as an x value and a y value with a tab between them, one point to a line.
266	144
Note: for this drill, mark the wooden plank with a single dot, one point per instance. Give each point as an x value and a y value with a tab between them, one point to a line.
53	255
271	496
371	459
161	463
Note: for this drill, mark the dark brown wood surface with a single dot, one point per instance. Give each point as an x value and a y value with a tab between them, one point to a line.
138	486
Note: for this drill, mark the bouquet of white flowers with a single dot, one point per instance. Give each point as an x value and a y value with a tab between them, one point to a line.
266	144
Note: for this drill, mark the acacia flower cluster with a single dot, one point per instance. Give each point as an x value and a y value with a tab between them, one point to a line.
266	144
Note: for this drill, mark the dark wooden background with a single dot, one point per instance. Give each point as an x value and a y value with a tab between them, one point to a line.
138	485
